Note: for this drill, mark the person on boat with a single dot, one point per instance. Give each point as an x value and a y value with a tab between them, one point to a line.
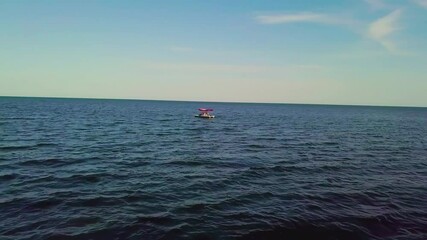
204	113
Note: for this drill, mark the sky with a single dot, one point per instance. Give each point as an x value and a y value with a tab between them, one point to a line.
357	52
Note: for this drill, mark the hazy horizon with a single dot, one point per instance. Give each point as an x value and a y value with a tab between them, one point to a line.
357	52
207	102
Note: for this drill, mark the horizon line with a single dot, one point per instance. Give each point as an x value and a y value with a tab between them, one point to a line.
207	101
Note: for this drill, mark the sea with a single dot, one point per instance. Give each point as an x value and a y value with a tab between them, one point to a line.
134	169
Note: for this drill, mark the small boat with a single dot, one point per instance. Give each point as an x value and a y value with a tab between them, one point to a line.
204	113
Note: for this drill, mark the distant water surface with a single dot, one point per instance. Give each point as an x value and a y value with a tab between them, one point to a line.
119	169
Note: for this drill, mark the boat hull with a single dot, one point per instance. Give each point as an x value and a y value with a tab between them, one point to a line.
207	117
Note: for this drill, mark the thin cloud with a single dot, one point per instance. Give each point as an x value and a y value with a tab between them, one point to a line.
381	30
422	3
299	17
376	4
195	67
231	68
181	49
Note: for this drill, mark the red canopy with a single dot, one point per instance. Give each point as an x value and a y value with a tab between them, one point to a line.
205	109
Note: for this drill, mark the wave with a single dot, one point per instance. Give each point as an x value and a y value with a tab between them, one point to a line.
82	221
44	162
44	204
306	231
97	201
124	231
184	163
157	218
26	147
8	177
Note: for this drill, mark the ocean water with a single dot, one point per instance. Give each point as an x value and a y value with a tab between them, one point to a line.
122	169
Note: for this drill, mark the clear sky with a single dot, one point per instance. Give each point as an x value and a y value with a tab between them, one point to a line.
307	51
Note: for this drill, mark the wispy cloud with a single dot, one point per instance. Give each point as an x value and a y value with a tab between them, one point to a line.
422	3
181	49
298	17
231	68
377	4
381	30
195	67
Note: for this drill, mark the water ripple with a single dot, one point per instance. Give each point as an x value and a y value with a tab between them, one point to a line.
110	169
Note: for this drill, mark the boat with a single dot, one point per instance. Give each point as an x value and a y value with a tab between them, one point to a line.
204	113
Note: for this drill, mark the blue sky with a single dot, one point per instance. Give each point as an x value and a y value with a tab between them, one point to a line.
369	52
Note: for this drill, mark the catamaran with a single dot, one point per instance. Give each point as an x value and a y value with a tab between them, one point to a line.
204	113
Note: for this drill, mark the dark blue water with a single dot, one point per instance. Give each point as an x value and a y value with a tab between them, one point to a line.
117	169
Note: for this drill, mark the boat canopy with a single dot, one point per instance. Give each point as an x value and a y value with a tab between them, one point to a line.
205	109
